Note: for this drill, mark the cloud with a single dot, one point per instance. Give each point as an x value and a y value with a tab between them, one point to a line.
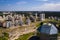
41	0
46	7
21	2
42	7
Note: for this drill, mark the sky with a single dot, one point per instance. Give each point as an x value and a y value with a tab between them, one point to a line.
29	5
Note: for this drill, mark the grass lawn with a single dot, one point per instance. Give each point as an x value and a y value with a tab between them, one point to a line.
25	36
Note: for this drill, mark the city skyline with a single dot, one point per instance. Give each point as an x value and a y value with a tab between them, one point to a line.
29	5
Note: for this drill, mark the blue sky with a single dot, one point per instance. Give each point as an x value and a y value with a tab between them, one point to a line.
29	5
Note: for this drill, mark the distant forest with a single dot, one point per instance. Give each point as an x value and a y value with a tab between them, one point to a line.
47	13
